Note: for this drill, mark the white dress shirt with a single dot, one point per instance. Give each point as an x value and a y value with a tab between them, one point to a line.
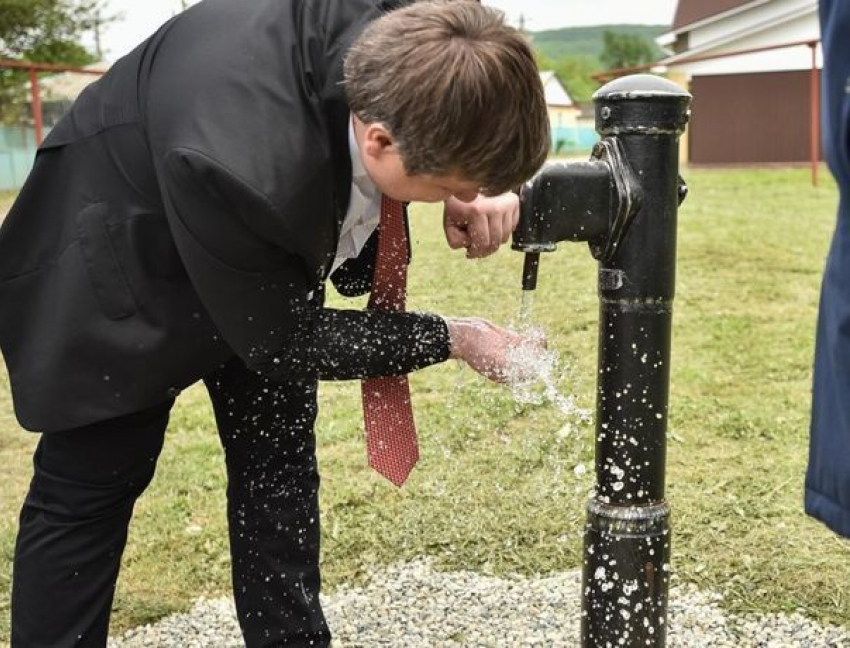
364	207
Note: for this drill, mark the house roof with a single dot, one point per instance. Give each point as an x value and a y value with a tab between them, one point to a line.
546	76
689	12
765	26
556	93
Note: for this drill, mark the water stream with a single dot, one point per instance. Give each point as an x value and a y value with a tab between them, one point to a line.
526	310
534	370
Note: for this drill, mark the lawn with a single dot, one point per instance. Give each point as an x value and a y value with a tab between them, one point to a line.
502	487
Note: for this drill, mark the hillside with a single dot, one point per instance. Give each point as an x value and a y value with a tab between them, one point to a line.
586	42
574	52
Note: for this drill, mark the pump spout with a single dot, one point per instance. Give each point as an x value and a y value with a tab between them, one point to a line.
530	268
591	201
564	202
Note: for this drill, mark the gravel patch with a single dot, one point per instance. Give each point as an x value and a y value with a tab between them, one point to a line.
414	606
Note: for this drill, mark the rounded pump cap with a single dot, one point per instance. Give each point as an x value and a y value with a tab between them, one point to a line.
641	104
639	85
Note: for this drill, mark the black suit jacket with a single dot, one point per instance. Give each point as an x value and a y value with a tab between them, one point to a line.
186	209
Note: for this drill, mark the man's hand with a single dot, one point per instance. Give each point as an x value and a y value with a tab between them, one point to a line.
482	345
482	225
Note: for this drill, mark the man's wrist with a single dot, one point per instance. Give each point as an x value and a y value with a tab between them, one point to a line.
458	338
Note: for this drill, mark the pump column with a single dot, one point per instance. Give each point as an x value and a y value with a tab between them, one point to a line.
627	535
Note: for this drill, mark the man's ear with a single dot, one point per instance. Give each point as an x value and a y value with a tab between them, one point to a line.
377	140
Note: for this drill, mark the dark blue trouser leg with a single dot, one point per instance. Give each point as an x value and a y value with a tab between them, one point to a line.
266	429
73	528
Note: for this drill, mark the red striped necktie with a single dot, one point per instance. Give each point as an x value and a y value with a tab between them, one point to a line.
387	412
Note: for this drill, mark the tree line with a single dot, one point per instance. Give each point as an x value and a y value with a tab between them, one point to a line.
619	50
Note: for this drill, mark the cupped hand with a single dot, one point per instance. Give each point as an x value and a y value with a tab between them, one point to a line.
485	346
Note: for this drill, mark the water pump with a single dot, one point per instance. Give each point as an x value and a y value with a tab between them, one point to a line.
623	202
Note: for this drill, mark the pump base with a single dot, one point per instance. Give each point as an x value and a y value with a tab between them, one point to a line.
626	575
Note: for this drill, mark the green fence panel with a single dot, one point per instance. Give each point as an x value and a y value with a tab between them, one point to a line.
17	152
15	165
573	140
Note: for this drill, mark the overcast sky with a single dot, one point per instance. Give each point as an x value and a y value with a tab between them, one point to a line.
142	17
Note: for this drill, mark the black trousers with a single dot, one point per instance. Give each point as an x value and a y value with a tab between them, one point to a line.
73	525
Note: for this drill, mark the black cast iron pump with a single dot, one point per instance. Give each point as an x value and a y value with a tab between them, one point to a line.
624	203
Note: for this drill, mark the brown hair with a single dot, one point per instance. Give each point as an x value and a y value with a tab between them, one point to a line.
458	89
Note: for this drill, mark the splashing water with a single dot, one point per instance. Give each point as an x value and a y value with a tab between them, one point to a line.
525	311
533	372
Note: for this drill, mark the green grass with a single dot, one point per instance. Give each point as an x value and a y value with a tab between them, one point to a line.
496	490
